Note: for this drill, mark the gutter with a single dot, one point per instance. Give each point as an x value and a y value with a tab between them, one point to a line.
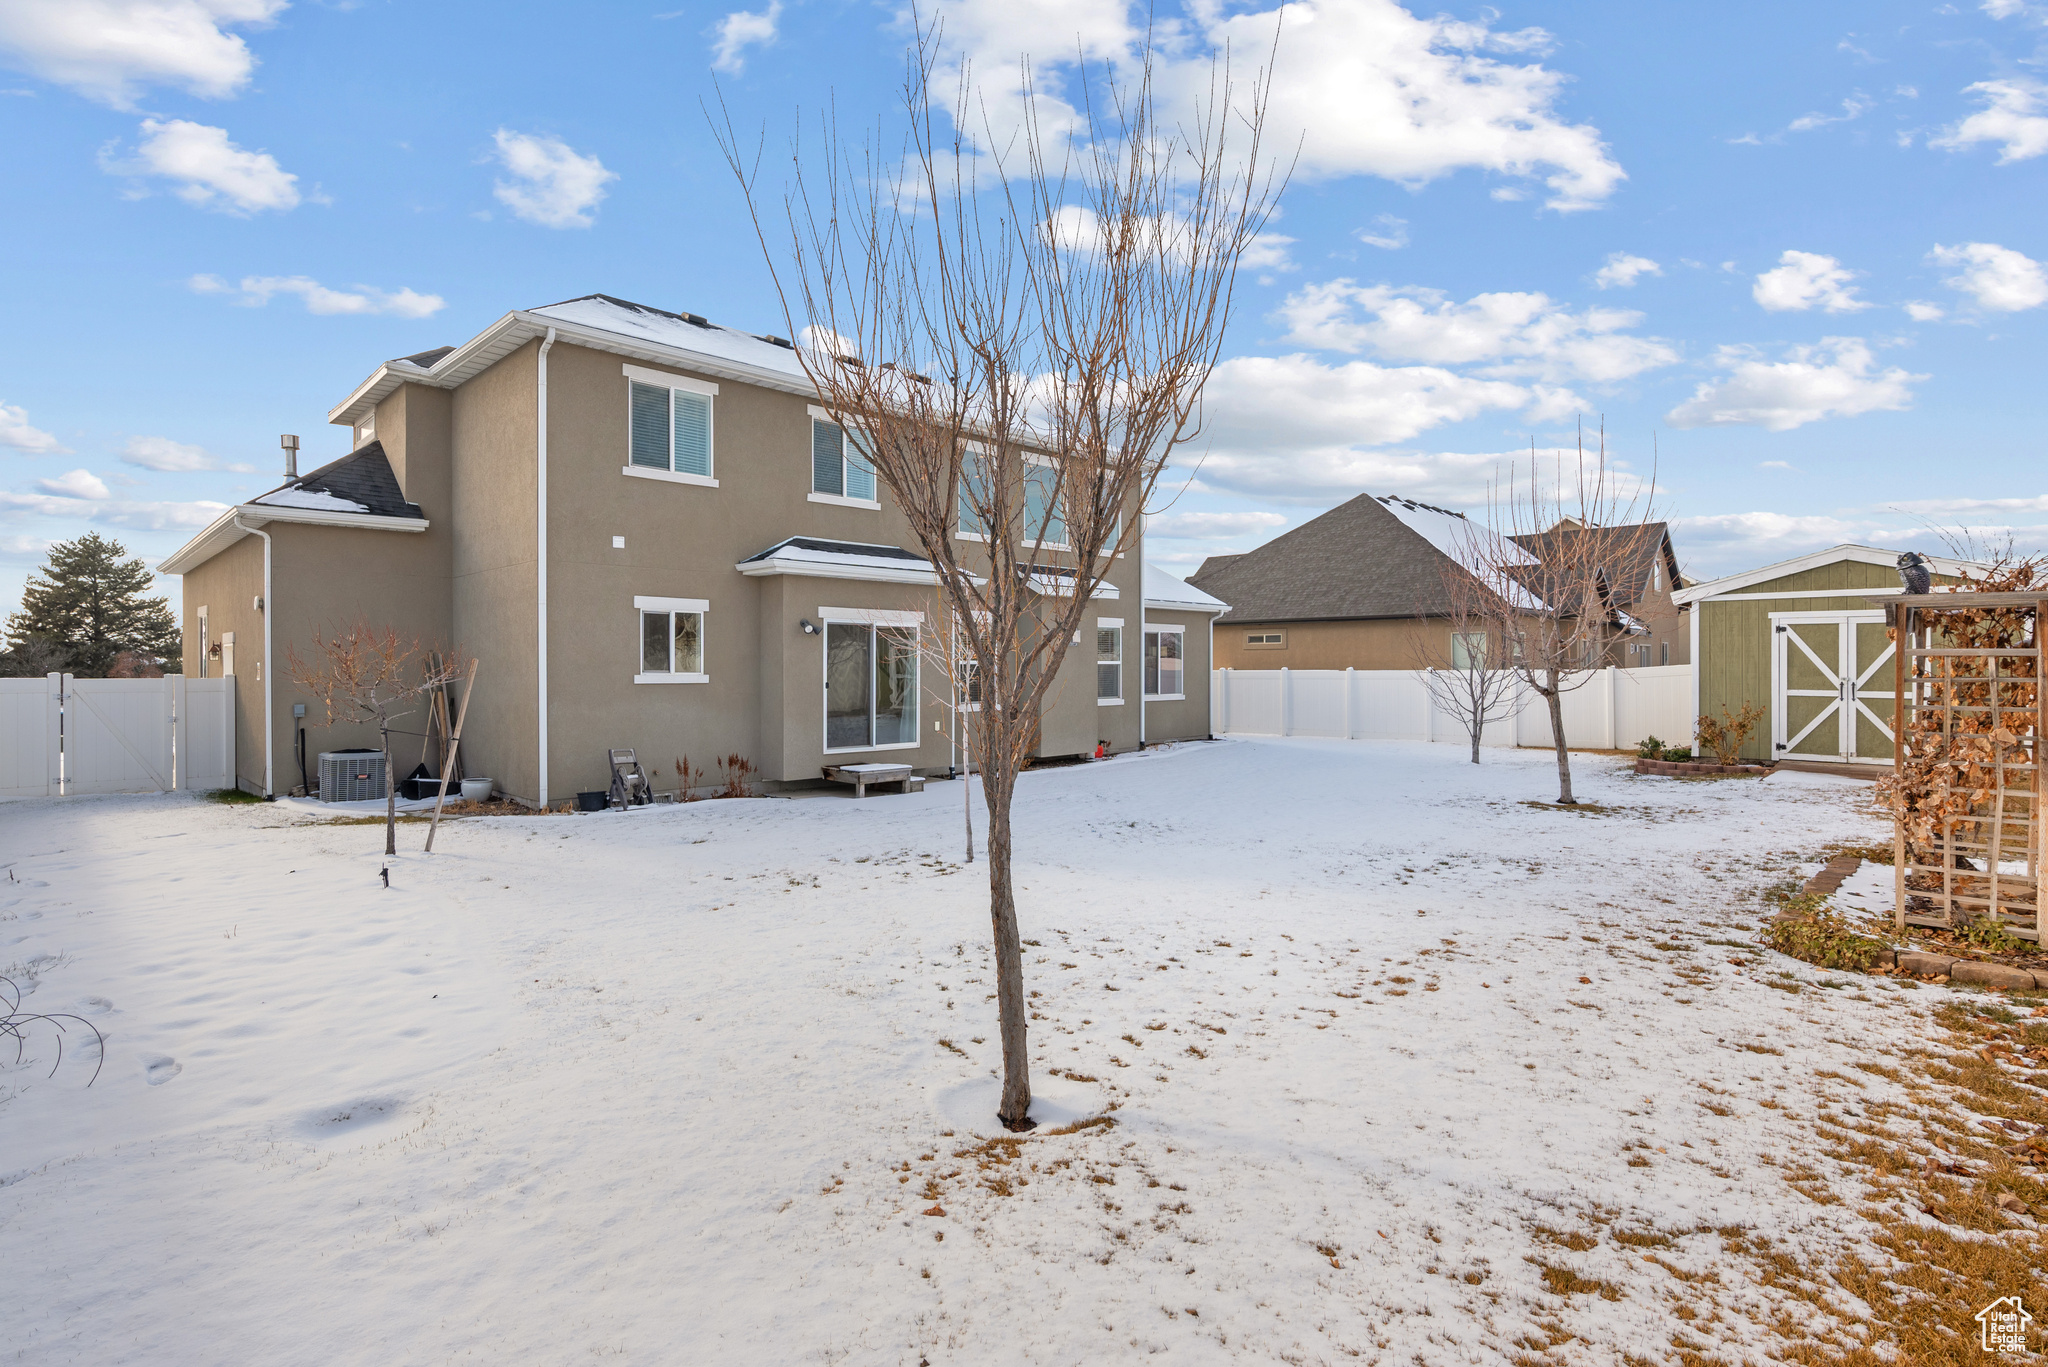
267	664
541	564
201	548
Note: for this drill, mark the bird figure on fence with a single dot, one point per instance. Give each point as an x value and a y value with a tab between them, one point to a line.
1913	572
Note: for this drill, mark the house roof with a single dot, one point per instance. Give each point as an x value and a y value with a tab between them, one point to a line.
1376	556
602	323
1625	553
1164	591
1865	555
817	558
359	490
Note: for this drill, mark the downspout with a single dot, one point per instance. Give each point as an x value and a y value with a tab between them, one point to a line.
541	565
269	789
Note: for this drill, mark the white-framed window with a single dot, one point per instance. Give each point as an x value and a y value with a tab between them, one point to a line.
871	679
975	484
366	431
1045	519
1109	661
669	427
1163	675
1468	650
671	640
842	471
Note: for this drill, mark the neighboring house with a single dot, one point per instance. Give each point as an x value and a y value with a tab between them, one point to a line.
1803	640
1363	587
1640	569
649	535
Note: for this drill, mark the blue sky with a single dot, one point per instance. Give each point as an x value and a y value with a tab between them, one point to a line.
1796	248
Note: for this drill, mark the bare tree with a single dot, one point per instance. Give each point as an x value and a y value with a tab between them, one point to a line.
366	676
1563	541
1472	679
1016	330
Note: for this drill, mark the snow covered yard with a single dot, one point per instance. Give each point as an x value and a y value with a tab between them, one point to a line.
1399	1068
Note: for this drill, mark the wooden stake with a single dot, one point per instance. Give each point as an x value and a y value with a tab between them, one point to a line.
454	746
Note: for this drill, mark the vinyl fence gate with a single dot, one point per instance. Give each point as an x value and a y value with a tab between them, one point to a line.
61	735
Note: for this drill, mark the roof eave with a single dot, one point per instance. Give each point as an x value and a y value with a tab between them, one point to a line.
238	521
517	328
1864	555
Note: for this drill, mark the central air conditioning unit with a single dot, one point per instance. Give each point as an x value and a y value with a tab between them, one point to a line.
351	775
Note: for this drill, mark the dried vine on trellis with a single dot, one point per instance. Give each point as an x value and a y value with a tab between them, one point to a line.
1949	785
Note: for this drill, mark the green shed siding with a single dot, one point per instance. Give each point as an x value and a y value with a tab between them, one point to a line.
1734	656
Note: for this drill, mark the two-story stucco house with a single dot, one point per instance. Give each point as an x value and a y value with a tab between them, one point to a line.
649	536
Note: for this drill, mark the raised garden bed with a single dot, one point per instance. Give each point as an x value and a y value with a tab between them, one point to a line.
1693	768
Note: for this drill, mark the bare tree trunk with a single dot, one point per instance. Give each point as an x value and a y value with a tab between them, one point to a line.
1478	728
1555	697
390	795
1014	1110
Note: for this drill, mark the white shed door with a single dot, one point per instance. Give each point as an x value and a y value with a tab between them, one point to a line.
1831	686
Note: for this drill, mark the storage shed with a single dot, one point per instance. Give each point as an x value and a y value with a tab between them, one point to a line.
1802	639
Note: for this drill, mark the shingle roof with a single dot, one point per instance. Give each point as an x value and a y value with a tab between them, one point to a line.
1627	563
862	548
362	478
1359	560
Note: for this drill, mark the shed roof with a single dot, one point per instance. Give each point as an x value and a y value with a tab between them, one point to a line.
1864	555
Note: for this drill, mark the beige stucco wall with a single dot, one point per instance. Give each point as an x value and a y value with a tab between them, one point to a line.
227	587
1189	718
1386	643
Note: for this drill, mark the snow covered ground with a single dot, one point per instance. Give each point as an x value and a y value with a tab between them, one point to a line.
681	1085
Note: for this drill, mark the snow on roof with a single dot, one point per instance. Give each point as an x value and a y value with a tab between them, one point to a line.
311	498
1472	546
806	555
1163	590
685	332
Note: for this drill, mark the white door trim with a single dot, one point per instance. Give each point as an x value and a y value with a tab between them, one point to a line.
1847	683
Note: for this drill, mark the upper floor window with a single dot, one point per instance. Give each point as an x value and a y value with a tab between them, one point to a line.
669	426
841	469
1468	650
1044	519
975	489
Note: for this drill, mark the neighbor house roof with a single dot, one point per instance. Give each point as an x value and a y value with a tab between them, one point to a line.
359	490
1864	555
1375	556
602	323
1624	553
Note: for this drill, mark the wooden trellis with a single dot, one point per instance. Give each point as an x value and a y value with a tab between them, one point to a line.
1967	766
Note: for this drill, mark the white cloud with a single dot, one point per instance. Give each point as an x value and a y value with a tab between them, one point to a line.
174	457
110	50
554	185
1852	108
740	30
1920	311
142	515
1998	278
210	171
16	432
1776	465
1209	526
1838	378
1369	88
257	290
2004	9
76	484
1804	279
2012	116
1078	229
1386	232
1622	271
1731	541
1519	333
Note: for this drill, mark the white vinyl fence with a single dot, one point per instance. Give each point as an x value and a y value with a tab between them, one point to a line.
1612	710
61	735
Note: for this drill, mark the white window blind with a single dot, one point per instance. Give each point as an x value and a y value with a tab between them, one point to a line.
670	429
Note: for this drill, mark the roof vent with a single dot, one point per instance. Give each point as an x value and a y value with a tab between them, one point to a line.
699	319
773	340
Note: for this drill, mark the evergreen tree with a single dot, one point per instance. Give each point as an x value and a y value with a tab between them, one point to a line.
88	602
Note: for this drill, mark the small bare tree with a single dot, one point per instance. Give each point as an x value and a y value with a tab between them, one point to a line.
1564	541
1015	330
369	676
1473	679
